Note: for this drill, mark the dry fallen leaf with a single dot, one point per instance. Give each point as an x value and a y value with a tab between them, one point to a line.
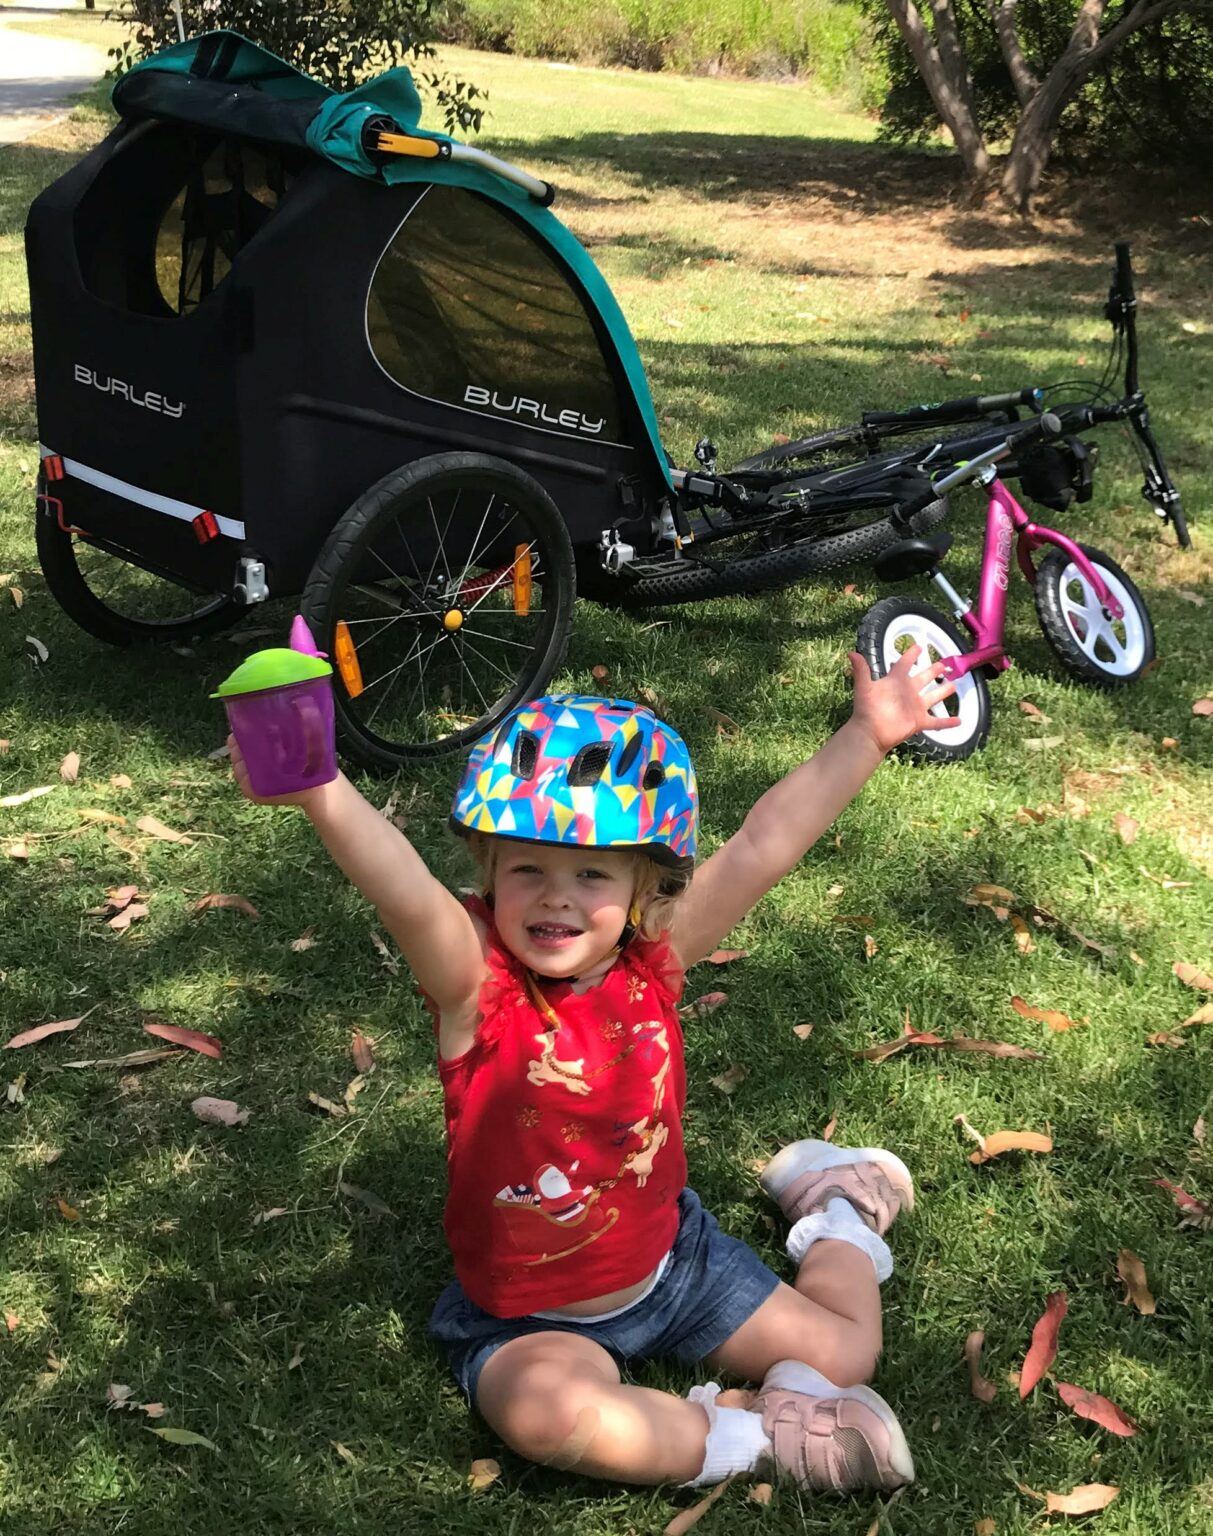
18	850
1057	1022
131	913
1126	828
1133	1275
1196	1213
600	673
69	768
1024	941
43	1031
91	815
984	1527
830	1127
982	1388
40	651
1198	1130
1165	880
1089	1405
68	1212
219	1111
26	796
802	1031
271	1215
386	958
157	829
131	1059
999	1142
12	1322
1192	976
926	1040
352	1089
1042	743
305	940
761	1493
1043	1349
730	1078
689	1518
118	1395
989	896
362	1049
235	903
184	1437
1203	1015
120	780
1030	709
192	1039
725	724
1203	707
366	1197
1169	743
727	956
870	946
328	1106
296	1359
703	1005
1082	1501
1166	1037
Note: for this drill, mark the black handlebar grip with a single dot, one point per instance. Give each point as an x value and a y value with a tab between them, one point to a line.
1124	272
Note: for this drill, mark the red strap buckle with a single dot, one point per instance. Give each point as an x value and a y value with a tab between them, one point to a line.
205	527
52	467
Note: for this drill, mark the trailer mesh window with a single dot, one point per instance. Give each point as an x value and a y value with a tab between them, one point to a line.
467	308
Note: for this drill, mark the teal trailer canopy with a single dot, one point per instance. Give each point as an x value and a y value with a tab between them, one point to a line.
224	82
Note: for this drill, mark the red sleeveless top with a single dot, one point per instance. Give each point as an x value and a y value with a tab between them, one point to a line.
564	1131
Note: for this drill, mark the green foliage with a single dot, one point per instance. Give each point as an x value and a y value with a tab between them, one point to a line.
340	45
827	39
1151	103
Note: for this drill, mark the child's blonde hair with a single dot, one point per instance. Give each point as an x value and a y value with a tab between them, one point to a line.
654	892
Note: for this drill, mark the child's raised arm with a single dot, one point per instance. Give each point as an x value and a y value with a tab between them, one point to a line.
792	815
435	933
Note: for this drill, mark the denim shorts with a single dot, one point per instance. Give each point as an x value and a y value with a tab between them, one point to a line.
710	1286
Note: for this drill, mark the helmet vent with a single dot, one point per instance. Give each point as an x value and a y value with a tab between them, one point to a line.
654	776
629	755
587	767
526	755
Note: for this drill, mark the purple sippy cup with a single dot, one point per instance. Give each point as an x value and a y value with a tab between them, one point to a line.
279	704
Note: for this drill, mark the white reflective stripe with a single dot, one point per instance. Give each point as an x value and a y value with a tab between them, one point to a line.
150	499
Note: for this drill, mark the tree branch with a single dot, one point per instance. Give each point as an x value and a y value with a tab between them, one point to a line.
1023	77
1141	14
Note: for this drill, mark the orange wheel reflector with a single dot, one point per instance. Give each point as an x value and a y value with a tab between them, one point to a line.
522	580
346	657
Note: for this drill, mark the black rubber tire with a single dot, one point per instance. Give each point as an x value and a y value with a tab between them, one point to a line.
66	583
853	437
376	507
688	581
1047	592
926	747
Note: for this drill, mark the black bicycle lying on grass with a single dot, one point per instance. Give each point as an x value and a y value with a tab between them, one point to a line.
841	496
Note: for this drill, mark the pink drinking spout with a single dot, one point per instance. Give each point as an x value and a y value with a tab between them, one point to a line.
301	638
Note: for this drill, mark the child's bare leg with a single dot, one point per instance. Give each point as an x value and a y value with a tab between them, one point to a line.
830	1320
557	1399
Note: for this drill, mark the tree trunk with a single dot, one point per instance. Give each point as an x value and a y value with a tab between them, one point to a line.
950	91
1002	13
1037	126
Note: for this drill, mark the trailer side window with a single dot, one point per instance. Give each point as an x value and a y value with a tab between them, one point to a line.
467	307
159	228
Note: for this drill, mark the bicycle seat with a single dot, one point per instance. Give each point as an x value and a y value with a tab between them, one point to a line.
911	557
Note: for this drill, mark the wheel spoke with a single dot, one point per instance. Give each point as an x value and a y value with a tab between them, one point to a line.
496	639
509	676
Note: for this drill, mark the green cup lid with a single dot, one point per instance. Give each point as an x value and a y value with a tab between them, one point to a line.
276	667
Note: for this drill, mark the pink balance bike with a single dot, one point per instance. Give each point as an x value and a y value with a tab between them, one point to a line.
1091	613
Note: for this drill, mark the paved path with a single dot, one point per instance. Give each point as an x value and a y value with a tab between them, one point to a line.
38	76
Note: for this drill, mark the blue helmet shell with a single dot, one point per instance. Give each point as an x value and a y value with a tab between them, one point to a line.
583	772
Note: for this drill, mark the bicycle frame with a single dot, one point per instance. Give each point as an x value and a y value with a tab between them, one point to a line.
1007	523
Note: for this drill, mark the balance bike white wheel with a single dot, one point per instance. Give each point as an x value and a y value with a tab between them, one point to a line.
889	629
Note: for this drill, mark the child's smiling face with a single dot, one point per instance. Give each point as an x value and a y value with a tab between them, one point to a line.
561	910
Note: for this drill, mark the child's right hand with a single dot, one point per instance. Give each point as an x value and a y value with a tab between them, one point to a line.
303	797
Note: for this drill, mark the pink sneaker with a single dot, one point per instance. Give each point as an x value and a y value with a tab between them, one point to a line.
804	1177
831	1439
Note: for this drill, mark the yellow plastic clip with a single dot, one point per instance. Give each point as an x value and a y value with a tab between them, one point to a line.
402	144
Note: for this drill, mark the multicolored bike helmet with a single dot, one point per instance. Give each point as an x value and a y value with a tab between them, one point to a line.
583	772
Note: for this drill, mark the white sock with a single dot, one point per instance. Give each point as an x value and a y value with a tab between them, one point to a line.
736	1439
841	1221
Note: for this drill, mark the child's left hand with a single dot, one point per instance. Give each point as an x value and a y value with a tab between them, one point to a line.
897	706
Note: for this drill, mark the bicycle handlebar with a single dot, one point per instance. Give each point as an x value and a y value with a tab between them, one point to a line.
1044	427
953	410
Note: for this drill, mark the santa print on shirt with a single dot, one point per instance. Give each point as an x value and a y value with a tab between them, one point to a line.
564	1131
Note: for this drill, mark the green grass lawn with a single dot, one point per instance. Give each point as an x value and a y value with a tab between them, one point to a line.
780	270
